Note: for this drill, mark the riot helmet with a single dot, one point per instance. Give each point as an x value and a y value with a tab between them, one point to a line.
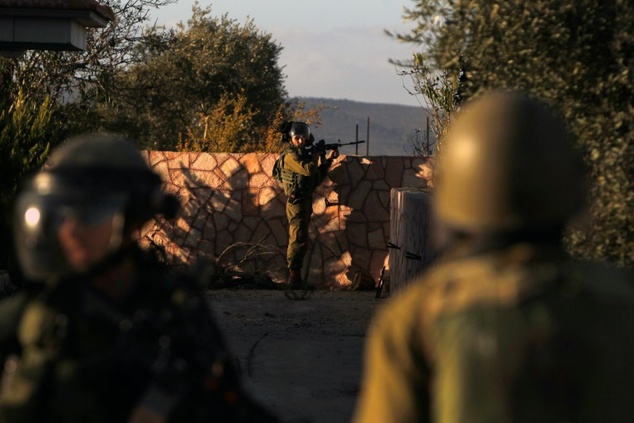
91	179
299	129
290	129
507	165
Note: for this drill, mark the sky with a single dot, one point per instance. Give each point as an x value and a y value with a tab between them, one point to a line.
331	48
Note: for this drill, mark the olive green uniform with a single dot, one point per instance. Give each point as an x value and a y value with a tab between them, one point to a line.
82	358
301	175
513	335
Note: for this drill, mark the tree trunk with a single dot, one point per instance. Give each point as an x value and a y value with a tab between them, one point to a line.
410	251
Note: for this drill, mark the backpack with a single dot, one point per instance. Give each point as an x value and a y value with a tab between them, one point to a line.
278	166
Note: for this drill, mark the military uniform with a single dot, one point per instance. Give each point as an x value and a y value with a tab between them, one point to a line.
84	358
505	328
513	335
301	174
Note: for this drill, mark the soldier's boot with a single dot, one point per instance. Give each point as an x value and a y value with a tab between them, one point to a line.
295	279
297	288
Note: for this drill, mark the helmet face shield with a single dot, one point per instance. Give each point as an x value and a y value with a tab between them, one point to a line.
85	208
85	212
38	249
40	214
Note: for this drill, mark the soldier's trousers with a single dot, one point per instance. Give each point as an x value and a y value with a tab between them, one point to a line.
298	221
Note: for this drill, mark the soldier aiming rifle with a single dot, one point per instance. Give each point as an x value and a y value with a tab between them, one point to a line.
301	168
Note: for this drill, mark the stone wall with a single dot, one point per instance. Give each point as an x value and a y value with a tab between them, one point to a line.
233	214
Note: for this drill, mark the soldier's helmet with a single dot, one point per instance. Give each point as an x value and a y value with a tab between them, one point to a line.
291	128
91	178
507	165
299	128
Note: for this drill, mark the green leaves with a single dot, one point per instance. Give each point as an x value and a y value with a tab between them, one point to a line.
190	72
576	54
28	129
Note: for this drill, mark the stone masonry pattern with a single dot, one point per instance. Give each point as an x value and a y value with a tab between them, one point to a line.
233	215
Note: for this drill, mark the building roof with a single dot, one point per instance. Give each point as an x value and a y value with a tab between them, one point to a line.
104	11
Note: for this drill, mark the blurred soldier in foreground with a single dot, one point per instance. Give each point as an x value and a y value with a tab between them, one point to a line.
111	336
504	328
300	171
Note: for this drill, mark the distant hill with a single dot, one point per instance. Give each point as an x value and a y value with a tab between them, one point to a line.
391	125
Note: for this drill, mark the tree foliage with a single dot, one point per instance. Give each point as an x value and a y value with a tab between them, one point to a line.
578	56
158	85
439	90
79	80
228	127
27	131
190	77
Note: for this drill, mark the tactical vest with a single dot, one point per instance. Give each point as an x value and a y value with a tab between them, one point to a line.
295	186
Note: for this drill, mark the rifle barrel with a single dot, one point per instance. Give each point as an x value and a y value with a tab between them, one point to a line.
352	143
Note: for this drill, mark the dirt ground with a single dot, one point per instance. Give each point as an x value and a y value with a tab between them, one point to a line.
302	359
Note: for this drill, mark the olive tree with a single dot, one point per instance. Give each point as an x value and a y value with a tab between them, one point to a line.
193	78
578	55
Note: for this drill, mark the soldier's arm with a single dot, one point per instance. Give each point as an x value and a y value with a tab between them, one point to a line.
300	165
396	377
324	164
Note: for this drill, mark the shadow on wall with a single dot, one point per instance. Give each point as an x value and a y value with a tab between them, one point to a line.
357	201
359	196
226	232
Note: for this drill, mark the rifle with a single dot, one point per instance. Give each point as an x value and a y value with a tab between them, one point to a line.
322	147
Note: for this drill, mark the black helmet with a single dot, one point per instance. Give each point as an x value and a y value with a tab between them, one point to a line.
292	128
93	178
299	128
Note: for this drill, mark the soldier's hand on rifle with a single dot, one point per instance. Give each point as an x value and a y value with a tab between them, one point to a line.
333	154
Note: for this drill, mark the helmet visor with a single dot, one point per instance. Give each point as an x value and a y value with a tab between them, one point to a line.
39	218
